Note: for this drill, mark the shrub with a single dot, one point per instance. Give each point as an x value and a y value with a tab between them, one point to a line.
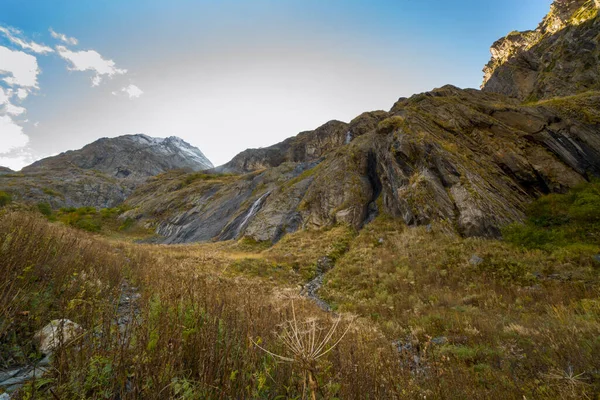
89	225
45	209
5	198
128	223
391	124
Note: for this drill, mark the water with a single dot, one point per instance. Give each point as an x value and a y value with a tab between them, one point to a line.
253	210
348	137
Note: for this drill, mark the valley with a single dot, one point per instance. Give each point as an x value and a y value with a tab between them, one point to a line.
448	248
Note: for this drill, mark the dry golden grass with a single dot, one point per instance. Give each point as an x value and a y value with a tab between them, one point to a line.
430	323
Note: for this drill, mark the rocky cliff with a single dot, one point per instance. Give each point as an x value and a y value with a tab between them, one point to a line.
462	160
559	58
305	146
103	173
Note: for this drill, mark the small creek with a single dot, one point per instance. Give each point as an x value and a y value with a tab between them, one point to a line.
310	289
13	379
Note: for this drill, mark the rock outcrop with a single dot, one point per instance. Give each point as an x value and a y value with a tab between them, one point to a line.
559	58
306	146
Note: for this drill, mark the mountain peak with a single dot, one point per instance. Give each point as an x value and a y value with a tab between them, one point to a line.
130	156
556	59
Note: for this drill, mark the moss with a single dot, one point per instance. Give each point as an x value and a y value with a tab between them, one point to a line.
587	12
391	124
52	193
304	175
583	106
188	179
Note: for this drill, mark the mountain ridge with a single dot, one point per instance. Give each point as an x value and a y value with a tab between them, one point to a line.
103	173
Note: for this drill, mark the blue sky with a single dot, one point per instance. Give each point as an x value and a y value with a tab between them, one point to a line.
232	74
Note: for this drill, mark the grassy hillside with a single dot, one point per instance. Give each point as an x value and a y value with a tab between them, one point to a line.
437	316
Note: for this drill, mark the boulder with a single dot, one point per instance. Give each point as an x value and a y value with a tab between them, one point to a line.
58	332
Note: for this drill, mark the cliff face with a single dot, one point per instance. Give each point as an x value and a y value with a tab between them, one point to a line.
305	146
559	58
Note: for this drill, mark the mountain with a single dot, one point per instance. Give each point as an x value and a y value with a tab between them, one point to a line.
4	170
462	160
559	58
466	161
103	173
129	157
458	160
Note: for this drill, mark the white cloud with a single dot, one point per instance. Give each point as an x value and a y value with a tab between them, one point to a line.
22	93
11	135
90	60
14	110
14	36
4	96
131	90
17	161
64	38
96	80
21	68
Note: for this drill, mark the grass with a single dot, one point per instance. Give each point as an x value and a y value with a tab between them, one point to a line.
214	317
90	219
561	220
193	337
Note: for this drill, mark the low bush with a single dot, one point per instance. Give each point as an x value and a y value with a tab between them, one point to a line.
5	199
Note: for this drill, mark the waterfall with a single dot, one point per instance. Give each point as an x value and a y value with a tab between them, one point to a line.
348	137
253	210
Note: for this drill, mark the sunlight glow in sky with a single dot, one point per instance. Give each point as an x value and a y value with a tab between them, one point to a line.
232	74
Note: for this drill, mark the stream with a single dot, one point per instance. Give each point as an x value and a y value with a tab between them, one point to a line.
310	289
13	379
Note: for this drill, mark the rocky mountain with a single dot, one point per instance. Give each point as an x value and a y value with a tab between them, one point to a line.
4	170
559	58
103	173
129	157
306	146
462	160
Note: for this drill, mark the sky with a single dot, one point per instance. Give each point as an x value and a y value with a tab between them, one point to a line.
230	74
